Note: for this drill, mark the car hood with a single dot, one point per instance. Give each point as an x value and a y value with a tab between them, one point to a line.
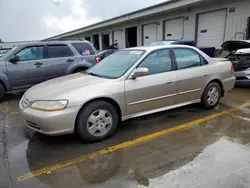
231	46
58	87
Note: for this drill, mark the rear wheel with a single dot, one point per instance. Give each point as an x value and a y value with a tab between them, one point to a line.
211	95
97	121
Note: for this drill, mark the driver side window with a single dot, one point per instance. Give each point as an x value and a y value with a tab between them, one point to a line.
158	62
31	53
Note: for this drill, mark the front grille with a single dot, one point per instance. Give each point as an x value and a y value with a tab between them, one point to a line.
33	125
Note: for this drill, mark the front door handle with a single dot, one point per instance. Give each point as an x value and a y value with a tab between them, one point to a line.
70	60
38	64
170	82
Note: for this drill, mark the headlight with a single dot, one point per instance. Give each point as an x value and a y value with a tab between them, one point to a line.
49	105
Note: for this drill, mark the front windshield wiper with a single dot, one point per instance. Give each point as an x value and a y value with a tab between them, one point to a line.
93	74
98	75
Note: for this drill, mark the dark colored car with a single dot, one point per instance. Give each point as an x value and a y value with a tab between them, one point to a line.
210	51
238	52
110	50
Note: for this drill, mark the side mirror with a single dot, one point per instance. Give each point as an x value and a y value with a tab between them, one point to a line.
14	59
139	72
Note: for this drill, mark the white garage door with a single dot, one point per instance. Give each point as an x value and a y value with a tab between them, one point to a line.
149	33
174	29
117	37
211	28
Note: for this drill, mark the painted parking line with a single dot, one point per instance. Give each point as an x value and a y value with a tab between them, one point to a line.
14	113
71	162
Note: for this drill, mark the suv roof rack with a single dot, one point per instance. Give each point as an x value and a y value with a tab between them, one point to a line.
63	39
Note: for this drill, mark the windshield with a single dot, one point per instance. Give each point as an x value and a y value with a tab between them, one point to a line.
115	65
157	43
5	55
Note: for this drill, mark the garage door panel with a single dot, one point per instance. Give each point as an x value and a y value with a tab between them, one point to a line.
149	33
117	36
174	29
211	28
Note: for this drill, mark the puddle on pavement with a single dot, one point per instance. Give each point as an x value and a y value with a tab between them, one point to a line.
206	154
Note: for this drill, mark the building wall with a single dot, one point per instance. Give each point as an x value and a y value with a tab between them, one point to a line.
235	21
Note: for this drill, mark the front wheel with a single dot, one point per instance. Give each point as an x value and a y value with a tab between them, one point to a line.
2	91
211	95
97	121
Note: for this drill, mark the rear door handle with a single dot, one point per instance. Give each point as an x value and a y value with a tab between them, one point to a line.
206	75
38	64
70	60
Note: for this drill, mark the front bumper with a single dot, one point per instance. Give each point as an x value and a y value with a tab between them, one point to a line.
50	123
242	78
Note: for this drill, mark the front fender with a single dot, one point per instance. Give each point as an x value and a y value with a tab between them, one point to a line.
4	79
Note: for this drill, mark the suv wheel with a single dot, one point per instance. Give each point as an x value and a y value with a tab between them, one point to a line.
97	121
2	91
211	95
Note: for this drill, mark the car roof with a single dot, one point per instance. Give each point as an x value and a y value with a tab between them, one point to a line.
174	40
152	48
53	42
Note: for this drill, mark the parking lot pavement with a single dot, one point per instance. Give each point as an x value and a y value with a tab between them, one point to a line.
185	147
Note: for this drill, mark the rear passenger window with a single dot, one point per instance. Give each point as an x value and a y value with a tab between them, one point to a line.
56	51
186	58
83	48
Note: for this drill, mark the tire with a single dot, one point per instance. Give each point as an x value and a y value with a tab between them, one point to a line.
213	95
2	91
97	121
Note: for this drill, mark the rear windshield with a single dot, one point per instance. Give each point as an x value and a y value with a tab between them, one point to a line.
84	48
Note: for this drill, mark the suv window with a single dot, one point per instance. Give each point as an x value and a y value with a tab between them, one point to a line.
186	58
84	48
31	53
56	51
158	62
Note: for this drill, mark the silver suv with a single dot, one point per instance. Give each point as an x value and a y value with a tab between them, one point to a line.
29	64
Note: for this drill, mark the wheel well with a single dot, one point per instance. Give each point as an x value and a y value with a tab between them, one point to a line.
106	99
220	84
1	82
79	69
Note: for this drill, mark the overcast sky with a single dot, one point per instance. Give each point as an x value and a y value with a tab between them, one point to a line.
39	19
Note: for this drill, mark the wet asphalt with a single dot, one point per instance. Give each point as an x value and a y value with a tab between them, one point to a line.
214	153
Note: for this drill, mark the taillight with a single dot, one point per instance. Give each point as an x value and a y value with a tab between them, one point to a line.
232	68
98	59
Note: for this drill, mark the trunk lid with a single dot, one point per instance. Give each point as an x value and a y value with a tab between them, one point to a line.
231	46
239	54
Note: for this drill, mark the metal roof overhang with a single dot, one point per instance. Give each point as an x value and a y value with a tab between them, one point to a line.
149	11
